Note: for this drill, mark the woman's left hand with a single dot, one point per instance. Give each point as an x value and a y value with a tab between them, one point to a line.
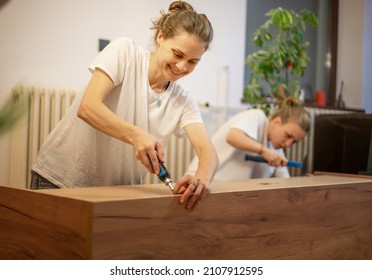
193	191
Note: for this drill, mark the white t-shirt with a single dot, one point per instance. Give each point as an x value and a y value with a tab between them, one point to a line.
76	155
233	165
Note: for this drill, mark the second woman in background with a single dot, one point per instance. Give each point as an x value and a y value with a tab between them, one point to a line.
251	131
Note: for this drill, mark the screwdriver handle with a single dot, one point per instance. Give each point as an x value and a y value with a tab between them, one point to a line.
164	175
290	163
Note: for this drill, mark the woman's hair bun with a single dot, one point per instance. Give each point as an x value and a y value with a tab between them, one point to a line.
291	102
178	6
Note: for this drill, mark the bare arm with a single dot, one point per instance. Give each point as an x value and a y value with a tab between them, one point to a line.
93	111
239	140
192	194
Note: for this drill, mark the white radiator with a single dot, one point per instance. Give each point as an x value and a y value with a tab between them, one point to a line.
46	107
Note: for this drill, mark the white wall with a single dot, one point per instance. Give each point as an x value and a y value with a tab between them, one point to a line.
51	43
367	57
350	51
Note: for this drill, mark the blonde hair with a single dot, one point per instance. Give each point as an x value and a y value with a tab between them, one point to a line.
292	110
182	17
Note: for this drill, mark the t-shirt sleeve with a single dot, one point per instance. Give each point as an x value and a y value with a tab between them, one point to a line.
190	114
250	122
113	59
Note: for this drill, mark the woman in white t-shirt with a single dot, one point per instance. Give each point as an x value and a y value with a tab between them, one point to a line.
251	131
115	132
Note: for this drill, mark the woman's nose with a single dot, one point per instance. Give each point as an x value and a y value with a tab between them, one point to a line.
288	143
181	65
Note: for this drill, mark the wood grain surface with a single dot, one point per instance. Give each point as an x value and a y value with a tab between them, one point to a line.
38	226
319	217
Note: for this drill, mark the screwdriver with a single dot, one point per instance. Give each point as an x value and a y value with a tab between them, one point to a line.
164	175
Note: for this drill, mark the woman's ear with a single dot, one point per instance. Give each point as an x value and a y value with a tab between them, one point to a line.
277	120
159	37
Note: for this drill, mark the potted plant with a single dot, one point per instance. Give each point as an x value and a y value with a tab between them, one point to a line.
280	62
12	111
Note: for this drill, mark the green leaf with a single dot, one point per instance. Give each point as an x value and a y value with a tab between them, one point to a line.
309	17
12	111
257	41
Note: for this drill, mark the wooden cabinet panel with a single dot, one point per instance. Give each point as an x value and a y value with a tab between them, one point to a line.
320	217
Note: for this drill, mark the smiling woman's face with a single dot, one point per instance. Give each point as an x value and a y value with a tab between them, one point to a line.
179	55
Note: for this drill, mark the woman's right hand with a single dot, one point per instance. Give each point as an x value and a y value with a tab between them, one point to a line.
273	159
148	151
